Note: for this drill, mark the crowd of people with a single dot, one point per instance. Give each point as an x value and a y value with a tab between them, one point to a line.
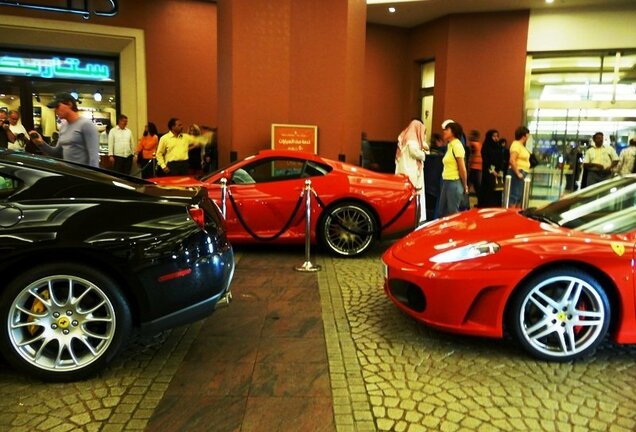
78	140
445	171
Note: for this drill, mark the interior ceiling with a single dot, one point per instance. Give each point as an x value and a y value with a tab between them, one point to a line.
411	13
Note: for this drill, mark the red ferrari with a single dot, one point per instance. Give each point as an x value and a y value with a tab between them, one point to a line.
558	279
352	206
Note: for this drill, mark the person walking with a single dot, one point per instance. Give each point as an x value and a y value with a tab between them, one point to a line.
519	165
599	161
454	175
18	130
627	159
409	158
433	167
210	152
146	149
495	159
6	136
172	151
78	140
121	147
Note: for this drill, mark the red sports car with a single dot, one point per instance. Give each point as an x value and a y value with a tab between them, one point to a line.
557	278
352	206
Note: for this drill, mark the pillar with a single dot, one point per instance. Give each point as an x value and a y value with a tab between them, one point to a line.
290	61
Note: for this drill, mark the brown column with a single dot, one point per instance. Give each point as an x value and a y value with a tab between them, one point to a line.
290	61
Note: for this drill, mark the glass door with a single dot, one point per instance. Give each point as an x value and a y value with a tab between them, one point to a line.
570	97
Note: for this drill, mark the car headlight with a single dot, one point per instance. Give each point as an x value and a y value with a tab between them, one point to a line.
467	252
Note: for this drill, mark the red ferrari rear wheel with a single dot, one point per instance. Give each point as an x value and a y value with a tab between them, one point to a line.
560	315
348	229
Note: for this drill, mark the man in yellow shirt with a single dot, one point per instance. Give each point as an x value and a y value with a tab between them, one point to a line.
172	151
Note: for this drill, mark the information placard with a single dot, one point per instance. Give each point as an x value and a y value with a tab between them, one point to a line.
295	137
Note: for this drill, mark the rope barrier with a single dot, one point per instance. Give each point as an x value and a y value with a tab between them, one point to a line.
320	203
252	233
399	214
385	226
140	170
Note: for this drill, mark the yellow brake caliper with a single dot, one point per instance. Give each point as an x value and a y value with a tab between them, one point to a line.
37	308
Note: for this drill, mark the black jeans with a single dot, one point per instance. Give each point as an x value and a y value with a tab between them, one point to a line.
123	164
178	168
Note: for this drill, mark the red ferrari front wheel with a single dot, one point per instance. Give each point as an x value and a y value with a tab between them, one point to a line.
560	315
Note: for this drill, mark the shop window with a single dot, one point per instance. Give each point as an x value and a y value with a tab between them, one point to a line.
569	97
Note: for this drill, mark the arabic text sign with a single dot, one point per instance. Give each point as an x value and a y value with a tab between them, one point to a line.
55	67
295	137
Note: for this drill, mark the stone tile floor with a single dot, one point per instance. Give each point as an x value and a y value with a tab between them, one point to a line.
325	352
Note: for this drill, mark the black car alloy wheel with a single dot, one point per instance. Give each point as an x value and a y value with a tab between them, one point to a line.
62	321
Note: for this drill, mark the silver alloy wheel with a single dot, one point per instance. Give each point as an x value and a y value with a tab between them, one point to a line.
348	229
562	317
61	323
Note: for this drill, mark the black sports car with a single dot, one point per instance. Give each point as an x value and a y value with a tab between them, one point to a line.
86	257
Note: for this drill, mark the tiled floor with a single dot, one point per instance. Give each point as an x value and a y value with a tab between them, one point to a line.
325	352
262	361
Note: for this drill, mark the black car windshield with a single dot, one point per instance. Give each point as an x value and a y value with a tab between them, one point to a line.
605	208
60	166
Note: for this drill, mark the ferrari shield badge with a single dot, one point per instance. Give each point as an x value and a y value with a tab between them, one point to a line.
618	248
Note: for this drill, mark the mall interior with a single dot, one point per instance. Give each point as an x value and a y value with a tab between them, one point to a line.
329	358
565	72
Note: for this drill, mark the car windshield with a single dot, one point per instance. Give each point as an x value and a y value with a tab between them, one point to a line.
65	167
204	177
605	208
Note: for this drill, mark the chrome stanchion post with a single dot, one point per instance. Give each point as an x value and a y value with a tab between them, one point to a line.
506	192
307	265
223	196
525	199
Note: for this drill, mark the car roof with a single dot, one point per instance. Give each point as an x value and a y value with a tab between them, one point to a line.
289	153
47	163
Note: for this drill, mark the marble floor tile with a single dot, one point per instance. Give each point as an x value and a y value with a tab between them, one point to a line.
287	414
198	413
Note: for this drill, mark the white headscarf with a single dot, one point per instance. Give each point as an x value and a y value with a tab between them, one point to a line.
414	131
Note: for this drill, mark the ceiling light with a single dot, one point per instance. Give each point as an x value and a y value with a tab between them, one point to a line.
97	95
549	1
391	9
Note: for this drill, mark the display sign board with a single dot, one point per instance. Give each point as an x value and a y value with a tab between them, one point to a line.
44	66
295	137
